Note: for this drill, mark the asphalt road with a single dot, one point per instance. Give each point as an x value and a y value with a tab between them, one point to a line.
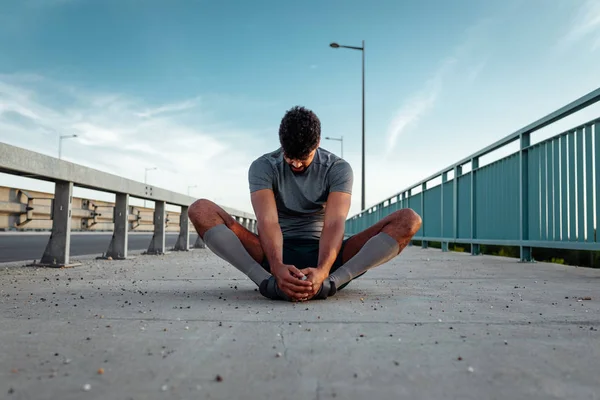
29	247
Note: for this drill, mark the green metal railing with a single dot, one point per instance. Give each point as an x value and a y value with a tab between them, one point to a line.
543	195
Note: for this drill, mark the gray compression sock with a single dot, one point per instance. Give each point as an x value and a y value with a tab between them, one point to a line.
378	250
224	243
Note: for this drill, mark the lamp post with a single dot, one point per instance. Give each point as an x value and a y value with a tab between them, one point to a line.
340	139
146	178
362	49
60	139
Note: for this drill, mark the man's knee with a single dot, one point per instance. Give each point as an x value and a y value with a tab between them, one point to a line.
200	209
409	220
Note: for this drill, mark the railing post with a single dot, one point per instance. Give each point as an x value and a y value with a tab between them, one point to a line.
199	244
444	180
405	197
157	244
58	249
424	243
475	250
457	173
524	198
183	241
117	249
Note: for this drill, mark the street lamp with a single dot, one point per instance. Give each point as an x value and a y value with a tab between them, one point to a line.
191	187
146	177
362	49
60	139
340	139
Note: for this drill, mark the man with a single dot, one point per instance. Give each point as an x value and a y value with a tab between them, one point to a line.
301	196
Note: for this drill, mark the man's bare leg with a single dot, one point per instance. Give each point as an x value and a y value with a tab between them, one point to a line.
228	239
374	246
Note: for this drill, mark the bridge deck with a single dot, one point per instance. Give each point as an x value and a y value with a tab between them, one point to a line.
429	325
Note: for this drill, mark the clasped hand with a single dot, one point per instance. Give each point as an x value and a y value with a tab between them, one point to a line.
289	279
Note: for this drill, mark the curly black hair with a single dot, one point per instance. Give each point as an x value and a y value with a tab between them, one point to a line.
299	132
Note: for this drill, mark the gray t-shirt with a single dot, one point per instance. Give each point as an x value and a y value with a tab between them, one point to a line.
301	198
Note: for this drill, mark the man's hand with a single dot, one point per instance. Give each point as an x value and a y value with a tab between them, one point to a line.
289	280
316	276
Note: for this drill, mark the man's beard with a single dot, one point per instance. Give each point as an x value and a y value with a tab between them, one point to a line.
300	171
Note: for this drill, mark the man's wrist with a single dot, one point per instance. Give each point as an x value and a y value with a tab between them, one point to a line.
276	265
324	267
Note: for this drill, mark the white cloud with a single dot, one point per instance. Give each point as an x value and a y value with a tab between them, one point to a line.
474	71
422	102
418	105
169	108
585	25
120	134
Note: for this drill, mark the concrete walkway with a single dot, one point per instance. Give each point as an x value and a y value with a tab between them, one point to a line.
429	325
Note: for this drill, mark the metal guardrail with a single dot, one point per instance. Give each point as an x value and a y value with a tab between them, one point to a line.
28	210
20	209
540	196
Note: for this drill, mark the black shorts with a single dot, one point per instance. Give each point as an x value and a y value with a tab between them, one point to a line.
304	253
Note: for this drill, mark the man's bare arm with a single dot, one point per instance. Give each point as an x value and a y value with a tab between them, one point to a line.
271	239
336	212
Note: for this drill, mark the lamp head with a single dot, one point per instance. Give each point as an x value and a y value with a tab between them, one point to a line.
334	45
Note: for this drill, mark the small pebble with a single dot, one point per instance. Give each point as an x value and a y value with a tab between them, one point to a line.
219	378
87	387
164	388
471	369
278	355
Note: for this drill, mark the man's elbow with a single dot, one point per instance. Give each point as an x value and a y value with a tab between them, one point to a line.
268	223
337	224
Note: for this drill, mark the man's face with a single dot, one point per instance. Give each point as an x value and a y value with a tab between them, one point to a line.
299	166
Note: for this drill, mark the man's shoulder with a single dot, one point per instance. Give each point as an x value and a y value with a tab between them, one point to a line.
336	171
273	158
265	164
329	161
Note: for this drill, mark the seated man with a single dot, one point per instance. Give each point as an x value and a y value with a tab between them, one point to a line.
301	197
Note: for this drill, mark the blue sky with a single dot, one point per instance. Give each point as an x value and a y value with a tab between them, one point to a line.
197	88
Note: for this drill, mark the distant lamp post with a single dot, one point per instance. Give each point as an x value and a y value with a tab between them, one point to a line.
340	139
146	177
362	49
191	187
60	139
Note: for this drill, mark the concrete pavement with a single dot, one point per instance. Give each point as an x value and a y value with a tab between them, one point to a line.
428	325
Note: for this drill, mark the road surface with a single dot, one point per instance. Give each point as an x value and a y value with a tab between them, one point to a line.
29	247
427	325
